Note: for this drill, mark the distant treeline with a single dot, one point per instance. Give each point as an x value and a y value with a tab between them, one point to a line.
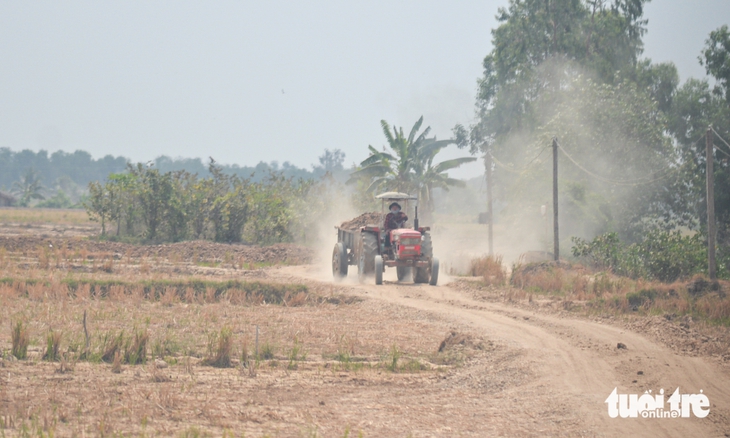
81	168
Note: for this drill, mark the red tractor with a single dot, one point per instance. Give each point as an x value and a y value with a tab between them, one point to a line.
372	248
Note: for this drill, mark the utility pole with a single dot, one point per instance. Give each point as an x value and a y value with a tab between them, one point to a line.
711	231
490	215
556	231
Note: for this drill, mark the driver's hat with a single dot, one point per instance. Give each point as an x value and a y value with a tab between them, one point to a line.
390	207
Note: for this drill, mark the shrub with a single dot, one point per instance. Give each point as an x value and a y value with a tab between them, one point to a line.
662	255
641	297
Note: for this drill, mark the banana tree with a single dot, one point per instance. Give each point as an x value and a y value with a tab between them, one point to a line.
408	165
430	176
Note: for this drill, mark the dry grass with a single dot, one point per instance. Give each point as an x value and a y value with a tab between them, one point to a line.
178	332
117	363
53	346
191	290
220	348
44	216
112	346
490	268
136	352
109	310
700	298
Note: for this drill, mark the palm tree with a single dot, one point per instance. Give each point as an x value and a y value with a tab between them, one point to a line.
431	176
409	168
28	188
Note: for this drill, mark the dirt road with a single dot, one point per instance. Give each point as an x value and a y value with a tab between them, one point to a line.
575	364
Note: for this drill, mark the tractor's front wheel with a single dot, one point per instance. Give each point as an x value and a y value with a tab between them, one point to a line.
379	269
339	261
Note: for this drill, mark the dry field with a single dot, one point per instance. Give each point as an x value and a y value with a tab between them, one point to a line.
162	341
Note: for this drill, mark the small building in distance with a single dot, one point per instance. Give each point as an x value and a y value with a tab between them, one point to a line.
6	199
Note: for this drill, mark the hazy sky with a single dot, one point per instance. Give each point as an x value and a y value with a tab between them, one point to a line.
265	80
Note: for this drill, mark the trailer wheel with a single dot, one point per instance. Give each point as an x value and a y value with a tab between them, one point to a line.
378	269
368	251
404	273
434	271
339	261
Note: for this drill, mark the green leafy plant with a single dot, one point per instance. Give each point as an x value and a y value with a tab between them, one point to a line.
662	255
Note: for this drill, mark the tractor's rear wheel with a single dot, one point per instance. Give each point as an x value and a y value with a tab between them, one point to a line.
404	273
422	275
368	251
339	261
434	272
427	246
378	264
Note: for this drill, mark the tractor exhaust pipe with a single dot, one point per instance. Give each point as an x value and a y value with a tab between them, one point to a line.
415	220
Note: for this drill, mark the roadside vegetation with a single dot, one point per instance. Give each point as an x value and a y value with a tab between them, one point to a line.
591	290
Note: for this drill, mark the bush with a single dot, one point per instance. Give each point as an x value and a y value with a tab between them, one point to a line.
662	255
641	297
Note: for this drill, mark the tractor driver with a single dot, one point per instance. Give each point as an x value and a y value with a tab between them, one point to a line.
395	219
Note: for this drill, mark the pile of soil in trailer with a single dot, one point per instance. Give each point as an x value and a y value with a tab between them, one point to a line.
365	219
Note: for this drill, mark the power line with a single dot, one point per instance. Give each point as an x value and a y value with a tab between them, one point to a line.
722	139
636	182
523	169
504	166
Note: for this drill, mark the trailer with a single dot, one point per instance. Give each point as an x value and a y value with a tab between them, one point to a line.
372	248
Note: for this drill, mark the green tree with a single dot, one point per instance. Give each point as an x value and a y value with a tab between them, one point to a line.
570	69
154	194
97	205
696	106
716	59
28	188
540	43
58	200
409	167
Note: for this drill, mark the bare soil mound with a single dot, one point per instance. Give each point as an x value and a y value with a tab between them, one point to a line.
365	219
191	251
454	339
